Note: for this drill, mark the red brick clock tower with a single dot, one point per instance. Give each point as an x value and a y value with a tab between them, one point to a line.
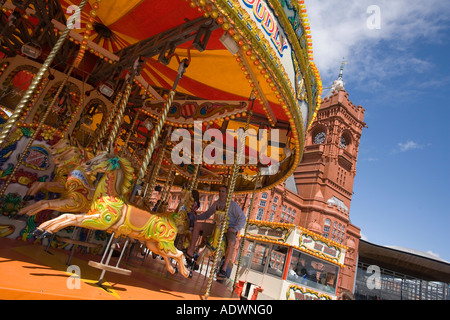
326	173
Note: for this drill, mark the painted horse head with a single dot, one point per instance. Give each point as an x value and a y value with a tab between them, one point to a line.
118	174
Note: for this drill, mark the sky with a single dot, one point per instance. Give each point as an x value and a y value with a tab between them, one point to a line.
398	70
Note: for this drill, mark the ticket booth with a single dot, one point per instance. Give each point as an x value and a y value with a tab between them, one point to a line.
286	262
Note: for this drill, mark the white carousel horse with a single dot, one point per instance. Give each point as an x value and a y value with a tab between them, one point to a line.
109	211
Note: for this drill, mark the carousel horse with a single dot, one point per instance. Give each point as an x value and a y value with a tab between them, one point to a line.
76	192
212	242
67	155
109	211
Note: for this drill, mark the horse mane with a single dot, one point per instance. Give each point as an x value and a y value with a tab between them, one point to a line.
117	180
127	180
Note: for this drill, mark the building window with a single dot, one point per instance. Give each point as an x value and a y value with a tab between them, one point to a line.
260	256
293	213
292	219
289	210
284	208
325	235
262	203
259	215
312	272
272	215
326	229
327	222
274	207
277	261
275	200
264	196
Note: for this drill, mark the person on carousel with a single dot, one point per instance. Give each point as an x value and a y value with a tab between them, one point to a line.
195	206
235	223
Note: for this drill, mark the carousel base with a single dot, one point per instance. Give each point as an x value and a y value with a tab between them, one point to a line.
28	272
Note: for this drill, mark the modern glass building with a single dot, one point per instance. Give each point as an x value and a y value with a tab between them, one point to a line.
393	273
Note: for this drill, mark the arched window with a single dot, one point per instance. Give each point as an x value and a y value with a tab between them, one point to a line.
272	215
264	195
275	200
260	214
327	222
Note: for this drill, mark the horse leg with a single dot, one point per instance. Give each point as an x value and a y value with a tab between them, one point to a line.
153	247
52	186
57	204
64	221
35	188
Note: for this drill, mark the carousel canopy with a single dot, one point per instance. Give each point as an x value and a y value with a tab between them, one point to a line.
245	61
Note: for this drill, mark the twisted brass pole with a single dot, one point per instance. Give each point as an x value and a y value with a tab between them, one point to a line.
35	133
119	117
158	163
234	175
241	247
194	181
156	135
168	181
39	75
106	124
127	139
172	180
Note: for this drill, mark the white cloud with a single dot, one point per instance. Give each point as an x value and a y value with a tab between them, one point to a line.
364	237
433	254
339	29
409	145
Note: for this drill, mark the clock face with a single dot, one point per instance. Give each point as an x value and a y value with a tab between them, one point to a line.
319	138
343	143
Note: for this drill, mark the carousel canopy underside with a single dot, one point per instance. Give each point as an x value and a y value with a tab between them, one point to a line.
219	87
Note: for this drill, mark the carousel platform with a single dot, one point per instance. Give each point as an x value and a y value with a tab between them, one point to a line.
28	272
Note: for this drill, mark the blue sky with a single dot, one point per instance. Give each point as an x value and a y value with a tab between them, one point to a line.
399	71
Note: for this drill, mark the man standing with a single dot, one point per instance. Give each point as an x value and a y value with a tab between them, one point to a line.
235	223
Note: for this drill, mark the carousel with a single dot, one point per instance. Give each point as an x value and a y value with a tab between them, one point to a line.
110	108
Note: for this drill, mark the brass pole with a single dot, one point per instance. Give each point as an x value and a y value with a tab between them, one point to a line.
158	163
194	181
167	182
241	247
39	75
156	135
234	175
172	179
162	119
35	133
127	139
106	124
119	117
